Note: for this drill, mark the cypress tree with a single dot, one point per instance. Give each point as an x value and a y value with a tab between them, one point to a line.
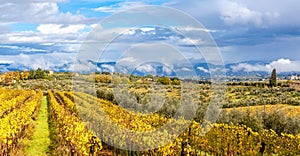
273	78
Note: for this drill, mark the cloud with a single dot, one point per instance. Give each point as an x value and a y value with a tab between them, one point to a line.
186	69
22	37
44	61
155	69
145	29
167	70
6	62
281	65
21	48
46	34
110	68
285	65
161	34
260	23
41	13
192	29
233	13
146	68
4	28
203	69
126	60
119	7
60	29
246	13
187	41
248	67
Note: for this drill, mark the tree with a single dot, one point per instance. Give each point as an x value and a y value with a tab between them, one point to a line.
176	81
103	79
273	79
16	75
40	74
24	75
8	77
31	74
12	77
164	80
106	73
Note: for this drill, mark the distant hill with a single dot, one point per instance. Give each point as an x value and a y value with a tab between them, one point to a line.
201	69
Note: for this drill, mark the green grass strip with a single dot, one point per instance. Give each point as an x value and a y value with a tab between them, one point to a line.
38	145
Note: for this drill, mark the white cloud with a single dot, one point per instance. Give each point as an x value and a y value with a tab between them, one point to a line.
82	66
4	28
42	12
54	27
53	35
44	61
186	69
6	61
234	13
20	38
119	7
192	29
167	70
285	65
146	29
73	48
189	41
127	60
22	48
108	67
59	28
146	68
281	65
96	26
241	12
248	67
203	69
129	32
281	61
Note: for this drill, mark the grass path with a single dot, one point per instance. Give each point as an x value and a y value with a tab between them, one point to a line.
38	145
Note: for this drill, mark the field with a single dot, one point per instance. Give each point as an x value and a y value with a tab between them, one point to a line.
59	117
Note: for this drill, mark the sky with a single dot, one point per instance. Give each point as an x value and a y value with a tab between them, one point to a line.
49	33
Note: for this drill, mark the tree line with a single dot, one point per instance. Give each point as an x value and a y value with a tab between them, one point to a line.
16	76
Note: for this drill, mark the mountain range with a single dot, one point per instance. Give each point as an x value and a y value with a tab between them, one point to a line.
201	69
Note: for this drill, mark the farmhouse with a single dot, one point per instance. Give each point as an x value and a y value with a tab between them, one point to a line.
295	77
295	85
49	72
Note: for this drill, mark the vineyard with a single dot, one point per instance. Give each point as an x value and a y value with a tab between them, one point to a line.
221	139
18	108
82	124
292	111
